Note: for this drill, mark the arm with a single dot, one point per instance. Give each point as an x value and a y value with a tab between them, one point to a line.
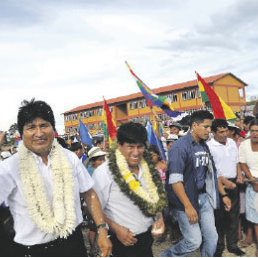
189	209
94	207
240	178
158	227
226	183
246	170
225	199
124	235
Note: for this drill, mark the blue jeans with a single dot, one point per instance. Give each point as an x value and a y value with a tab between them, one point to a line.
202	234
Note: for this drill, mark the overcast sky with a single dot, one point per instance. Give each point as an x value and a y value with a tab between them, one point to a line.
72	52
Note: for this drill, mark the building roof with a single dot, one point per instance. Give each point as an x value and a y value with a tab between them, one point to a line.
163	89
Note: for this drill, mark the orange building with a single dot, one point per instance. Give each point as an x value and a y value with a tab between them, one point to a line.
184	97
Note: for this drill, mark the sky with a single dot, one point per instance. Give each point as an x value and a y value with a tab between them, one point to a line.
72	52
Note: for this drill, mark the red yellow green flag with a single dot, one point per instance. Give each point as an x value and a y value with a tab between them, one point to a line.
109	128
210	98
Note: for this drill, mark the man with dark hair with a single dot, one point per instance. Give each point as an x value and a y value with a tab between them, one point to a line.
131	193
192	189
77	148
225	154
42	183
174	128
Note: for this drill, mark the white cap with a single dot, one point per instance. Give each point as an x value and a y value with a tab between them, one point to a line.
172	137
6	154
95	152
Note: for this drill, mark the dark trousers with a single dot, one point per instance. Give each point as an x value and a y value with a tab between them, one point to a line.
5	243
143	247
227	222
72	246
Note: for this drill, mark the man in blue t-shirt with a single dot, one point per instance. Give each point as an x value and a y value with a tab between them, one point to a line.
192	189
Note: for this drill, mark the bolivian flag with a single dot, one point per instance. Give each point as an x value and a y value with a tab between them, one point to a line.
153	99
109	127
210	98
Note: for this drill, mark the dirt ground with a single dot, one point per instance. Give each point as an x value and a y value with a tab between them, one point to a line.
159	247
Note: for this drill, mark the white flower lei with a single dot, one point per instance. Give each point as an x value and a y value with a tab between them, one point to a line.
151	195
59	222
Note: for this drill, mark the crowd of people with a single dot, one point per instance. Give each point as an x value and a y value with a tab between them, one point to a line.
125	193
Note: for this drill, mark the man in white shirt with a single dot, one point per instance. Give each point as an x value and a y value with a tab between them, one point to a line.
131	193
225	155
42	184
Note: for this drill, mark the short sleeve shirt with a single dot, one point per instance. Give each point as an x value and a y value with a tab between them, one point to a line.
248	156
27	233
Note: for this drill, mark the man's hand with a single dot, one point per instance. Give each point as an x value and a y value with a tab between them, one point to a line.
104	243
158	227
125	236
228	184
227	203
191	214
240	179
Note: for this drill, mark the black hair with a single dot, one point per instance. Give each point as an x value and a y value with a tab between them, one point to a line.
153	148
75	146
248	119
62	142
200	115
218	123
98	141
93	159
31	110
253	122
131	133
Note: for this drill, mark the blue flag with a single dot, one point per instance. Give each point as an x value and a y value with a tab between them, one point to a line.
84	134
154	140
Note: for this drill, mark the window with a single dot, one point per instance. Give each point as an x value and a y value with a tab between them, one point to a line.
241	92
99	111
74	117
134	119
198	93
162	117
172	97
188	94
133	105
100	125
142	103
91	126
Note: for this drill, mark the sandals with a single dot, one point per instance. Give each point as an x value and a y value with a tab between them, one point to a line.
244	243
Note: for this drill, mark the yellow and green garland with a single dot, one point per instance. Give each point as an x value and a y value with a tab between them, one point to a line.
150	201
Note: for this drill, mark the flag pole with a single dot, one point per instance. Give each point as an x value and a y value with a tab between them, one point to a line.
103	123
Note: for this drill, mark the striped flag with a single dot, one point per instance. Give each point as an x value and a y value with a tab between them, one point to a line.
109	128
153	99
153	139
211	99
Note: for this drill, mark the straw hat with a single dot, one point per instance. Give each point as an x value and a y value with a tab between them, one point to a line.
95	152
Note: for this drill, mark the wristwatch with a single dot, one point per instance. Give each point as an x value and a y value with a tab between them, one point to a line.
103	225
223	195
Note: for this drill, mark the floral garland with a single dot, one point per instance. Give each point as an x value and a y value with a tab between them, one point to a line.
60	221
150	201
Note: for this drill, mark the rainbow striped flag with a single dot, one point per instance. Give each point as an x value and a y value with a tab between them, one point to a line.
211	99
109	127
153	99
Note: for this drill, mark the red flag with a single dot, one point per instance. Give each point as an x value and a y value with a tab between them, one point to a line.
219	107
109	123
